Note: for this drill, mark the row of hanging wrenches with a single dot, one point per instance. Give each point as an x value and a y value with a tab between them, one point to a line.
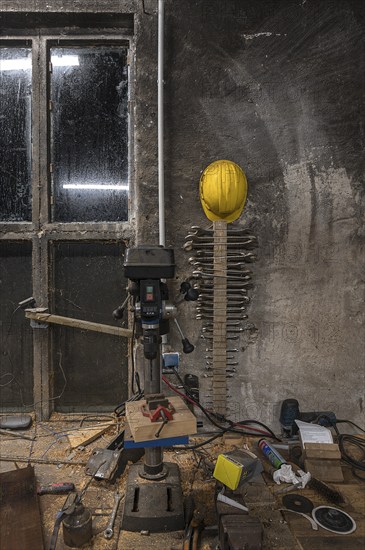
240	245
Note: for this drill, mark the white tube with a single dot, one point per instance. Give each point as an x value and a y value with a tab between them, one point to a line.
160	123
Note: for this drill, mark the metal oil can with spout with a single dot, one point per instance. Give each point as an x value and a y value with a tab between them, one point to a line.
77	527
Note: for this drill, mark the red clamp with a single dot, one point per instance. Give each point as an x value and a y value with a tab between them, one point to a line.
157	414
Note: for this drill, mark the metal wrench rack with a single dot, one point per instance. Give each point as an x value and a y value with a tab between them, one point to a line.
220	257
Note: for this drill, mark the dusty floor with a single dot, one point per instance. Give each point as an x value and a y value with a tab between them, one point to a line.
53	444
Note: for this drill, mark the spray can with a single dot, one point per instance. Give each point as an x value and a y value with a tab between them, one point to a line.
271	454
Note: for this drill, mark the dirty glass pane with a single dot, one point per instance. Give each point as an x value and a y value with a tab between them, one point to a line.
15	134
88	284
16	360
89	123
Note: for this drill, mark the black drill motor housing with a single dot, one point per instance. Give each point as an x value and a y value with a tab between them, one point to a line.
290	412
145	266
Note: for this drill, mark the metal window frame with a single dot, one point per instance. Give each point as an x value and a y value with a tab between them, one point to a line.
42	231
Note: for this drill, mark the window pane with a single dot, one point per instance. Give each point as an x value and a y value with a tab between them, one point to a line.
89	284
15	134
16	350
89	122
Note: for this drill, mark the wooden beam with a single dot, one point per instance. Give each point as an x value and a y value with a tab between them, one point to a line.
77	323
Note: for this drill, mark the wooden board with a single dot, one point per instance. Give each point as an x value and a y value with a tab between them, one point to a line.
142	429
81	438
220	318
324	470
322	450
20	519
77	323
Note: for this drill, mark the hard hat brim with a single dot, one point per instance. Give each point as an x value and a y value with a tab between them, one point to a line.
229	218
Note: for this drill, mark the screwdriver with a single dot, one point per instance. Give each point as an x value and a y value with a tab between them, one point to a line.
55	488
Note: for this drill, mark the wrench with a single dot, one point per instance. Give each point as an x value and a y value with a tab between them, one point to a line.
109	531
196	230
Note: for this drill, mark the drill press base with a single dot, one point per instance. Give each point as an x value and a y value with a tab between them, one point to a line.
155	506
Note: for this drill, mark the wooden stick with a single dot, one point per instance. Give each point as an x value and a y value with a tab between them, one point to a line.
77	323
220	317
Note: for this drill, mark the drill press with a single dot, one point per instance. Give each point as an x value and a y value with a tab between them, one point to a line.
154	499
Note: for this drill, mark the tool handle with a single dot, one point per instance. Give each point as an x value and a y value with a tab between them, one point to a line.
55	489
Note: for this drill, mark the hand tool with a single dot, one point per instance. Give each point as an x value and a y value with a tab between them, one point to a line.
228	331
207	308
109	531
228	324
196	230
290	412
231	267
232	299
56	488
232	286
228	375
210	357
209	364
230	277
232	350
164	422
207	315
188	246
210	337
230	238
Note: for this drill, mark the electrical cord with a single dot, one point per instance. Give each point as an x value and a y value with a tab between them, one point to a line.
221	417
223	429
349	439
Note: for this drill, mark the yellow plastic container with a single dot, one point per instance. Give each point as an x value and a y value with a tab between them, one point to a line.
228	471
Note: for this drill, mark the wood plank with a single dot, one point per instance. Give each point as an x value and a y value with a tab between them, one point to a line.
81	438
19	511
142	429
77	323
220	317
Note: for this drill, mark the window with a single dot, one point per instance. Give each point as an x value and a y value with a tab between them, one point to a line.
89	123
15	133
65	201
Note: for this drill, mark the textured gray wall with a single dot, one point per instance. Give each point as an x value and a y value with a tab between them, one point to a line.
278	87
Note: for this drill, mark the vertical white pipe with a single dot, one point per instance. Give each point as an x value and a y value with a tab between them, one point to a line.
160	123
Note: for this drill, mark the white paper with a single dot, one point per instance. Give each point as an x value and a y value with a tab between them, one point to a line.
313	433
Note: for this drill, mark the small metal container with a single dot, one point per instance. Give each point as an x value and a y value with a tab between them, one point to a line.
77	527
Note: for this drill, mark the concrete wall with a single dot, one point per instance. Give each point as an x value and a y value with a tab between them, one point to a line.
278	87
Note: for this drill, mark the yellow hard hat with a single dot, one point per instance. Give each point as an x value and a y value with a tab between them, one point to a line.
223	190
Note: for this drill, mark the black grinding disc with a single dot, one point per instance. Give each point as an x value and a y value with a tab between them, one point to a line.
334	520
298	503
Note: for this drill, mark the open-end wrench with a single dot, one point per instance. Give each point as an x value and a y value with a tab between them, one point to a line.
237	256
208	290
210	316
202	308
244	241
188	246
210	337
231	292
237	276
231	298
228	324
229	330
231	230
109	531
209	266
